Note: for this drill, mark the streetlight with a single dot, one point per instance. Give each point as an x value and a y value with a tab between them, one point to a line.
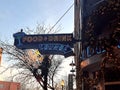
62	84
72	70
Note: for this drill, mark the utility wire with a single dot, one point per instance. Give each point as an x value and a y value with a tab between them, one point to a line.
61	17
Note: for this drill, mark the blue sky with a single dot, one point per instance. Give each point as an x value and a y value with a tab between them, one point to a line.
17	14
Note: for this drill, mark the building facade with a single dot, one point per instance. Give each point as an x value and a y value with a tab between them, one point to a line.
97	26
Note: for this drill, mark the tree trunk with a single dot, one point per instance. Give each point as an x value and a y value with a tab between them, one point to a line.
45	82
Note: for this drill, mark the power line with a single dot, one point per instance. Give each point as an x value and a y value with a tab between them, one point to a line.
62	17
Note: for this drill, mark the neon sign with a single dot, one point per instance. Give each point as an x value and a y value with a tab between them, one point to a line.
46	43
55	49
47	38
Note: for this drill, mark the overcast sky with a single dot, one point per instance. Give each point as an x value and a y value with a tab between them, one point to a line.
17	14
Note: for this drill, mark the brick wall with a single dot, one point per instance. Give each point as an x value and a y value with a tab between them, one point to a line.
9	85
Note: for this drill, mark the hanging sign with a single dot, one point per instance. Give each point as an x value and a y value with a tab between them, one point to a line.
60	49
23	39
61	44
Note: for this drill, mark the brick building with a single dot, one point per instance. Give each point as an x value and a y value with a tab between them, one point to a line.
9	85
97	27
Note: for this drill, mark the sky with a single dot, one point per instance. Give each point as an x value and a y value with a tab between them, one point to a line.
17	14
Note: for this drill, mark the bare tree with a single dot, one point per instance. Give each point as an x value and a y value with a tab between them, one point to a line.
28	70
54	68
